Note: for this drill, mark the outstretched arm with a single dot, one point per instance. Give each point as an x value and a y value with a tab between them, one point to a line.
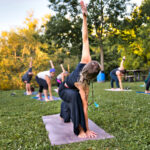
121	64
86	58
62	67
63	78
30	64
51	63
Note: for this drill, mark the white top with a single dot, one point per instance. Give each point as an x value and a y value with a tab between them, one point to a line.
42	75
59	77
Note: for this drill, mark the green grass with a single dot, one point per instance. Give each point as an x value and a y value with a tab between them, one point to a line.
125	115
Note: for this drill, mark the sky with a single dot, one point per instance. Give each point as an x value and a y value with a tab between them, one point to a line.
14	12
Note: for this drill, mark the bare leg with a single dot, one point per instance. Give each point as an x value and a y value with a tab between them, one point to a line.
40	96
86	58
46	95
29	89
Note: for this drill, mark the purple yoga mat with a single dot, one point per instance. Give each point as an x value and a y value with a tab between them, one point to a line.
62	133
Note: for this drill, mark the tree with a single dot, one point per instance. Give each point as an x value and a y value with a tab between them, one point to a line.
134	38
105	15
64	29
16	48
102	15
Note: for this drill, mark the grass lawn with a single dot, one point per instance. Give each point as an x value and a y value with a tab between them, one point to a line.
125	115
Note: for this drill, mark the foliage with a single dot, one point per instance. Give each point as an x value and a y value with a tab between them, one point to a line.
65	27
133	40
16	48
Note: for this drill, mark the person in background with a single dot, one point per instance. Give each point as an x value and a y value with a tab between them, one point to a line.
44	80
117	74
26	78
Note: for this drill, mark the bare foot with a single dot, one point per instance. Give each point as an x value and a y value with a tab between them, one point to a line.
82	134
46	100
51	98
40	98
61	118
83	7
147	91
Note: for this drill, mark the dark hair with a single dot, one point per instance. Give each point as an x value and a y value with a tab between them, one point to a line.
89	71
123	71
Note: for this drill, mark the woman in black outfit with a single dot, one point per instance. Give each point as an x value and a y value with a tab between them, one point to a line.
75	89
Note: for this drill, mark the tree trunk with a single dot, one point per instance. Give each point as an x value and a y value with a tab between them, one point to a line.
100	37
102	57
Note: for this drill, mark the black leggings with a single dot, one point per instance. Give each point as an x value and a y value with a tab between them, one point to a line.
147	85
65	112
42	84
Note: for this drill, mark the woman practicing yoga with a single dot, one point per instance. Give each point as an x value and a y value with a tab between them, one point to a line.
27	78
44	80
75	89
116	75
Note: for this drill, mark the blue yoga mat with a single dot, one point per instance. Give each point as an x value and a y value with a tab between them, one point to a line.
142	85
33	93
43	98
142	92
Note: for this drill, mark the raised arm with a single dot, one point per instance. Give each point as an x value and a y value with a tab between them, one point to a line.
85	58
62	67
30	64
121	64
51	63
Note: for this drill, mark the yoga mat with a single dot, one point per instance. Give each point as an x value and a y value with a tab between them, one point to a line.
43	98
62	133
142	92
142	85
117	90
33	93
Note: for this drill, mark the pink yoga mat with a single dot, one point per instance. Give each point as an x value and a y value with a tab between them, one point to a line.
62	133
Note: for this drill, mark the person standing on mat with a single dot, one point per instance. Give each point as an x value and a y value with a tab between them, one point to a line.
26	78
116	75
74	90
44	80
61	77
147	82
